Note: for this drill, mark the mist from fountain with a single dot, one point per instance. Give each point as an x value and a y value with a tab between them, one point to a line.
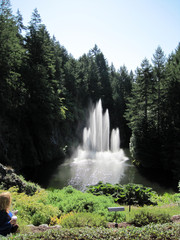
100	157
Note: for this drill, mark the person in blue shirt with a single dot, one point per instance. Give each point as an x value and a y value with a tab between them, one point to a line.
7	223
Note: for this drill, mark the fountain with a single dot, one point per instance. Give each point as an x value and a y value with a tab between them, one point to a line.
96	137
100	157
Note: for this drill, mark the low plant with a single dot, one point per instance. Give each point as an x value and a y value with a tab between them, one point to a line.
71	200
166	198
144	218
152	231
83	220
57	221
168	209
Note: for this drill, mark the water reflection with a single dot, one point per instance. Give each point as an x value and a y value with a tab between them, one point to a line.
89	170
83	172
106	167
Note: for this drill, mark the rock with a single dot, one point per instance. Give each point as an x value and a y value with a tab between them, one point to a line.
57	226
42	228
9	171
8	179
120	225
175	218
43	225
2	170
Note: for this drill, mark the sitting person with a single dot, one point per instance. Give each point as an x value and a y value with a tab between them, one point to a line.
7	223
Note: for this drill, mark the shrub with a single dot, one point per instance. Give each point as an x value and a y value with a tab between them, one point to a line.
9	179
131	194
56	221
29	188
42	214
166	198
83	220
145	218
152	231
71	200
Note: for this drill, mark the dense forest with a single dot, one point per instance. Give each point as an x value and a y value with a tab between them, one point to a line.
45	93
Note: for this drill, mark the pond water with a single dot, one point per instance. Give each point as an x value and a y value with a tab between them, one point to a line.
80	174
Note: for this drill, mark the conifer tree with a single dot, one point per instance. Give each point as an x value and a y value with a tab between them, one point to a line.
144	144
172	106
11	55
39	75
159	75
11	86
121	83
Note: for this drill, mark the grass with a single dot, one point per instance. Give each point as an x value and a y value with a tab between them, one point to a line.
170	209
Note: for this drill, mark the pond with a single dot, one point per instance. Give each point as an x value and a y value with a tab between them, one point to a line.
80	174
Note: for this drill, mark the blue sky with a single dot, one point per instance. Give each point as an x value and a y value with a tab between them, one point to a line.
126	31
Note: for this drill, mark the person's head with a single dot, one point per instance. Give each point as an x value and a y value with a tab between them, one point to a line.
5	200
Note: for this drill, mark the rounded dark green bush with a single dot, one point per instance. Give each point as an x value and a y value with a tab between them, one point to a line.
145	218
131	194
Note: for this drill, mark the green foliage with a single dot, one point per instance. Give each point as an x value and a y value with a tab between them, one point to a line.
30	188
166	198
166	209
121	83
42	208
57	221
154	231
145	218
83	220
152	115
131	194
71	200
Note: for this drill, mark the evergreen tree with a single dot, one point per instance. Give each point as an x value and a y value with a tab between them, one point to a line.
121	89
60	57
144	144
39	75
19	20
104	78
172	106
159	75
83	80
94	81
11	56
139	102
100	79
11	86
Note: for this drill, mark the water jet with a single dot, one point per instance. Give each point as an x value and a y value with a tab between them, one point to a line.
100	157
